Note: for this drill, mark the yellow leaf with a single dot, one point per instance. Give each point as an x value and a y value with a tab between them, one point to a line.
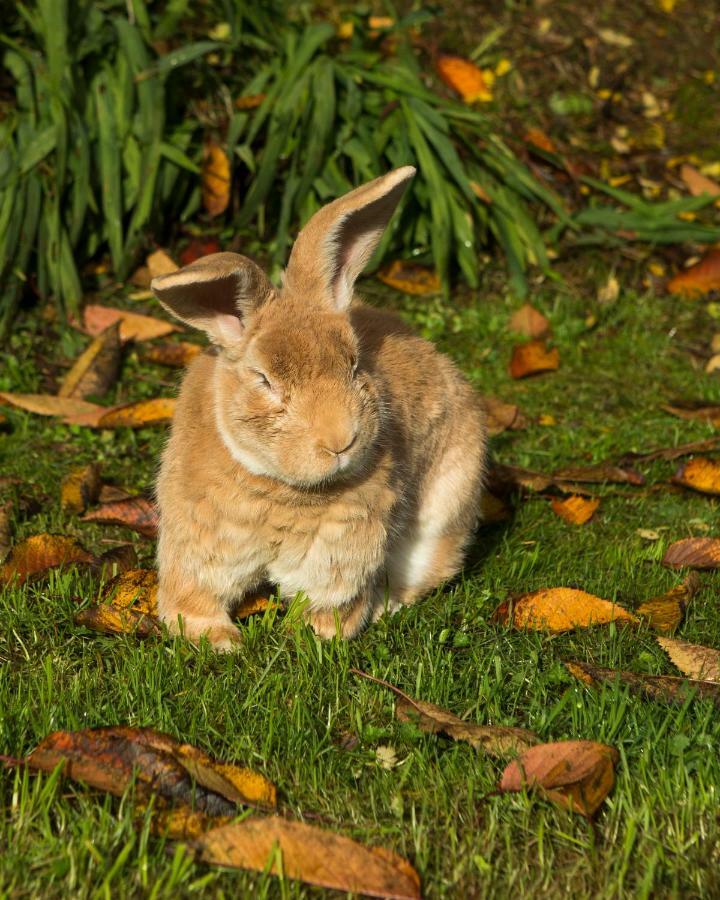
465	78
560	609
575	510
139	415
410	278
80	488
216	177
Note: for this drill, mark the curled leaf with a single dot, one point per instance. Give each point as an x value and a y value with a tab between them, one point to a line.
663	688
96	369
664	613
216	179
80	488
574	509
533	358
696	553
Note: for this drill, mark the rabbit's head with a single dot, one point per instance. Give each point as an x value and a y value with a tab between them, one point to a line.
294	398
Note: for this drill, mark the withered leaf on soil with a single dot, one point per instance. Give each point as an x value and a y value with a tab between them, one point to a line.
700	474
137	513
501	416
176	774
602	473
178	354
80	488
111	493
142	414
133	326
671	453
702	278
216	179
664	613
159	262
702	412
309	854
574	509
560	609
96	369
494	740
697	183
696	553
493	509
533	358
693	660
664	688
529	322
537	138
575	775
464	77
38	554
410	278
73	410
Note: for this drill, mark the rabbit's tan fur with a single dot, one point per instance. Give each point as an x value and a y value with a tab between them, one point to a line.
319	444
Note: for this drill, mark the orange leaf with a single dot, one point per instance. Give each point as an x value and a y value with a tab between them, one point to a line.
137	513
216	179
533	358
410	278
500	416
309	854
697	183
696	553
537	138
39	553
177	354
700	474
664	613
133	326
250	101
699	279
80	488
575	510
529	322
464	77
576	775
139	415
560	609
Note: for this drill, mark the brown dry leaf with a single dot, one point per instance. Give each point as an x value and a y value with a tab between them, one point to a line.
250	101
311	855
80	488
700	474
537	138
181	823
560	609
696	553
129	606
671	453
111	493
602	473
702	412
700	663
253	604
664	613
116	560
216	179
699	279
575	775
502	479
652	687
464	77
178	354
111	620
37	554
178	775
160	263
501	416
133	326
533	358
492	739
697	183
199	247
5	539
529	322
574	509
72	410
493	510
137	513
96	369
410	278
139	415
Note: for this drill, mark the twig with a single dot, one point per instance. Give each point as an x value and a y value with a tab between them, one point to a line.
386	684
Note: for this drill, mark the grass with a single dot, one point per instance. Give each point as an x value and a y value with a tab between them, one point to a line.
286	702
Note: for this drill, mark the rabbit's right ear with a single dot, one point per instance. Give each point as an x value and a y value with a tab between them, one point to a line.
215	293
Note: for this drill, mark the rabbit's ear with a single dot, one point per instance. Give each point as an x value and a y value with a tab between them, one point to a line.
336	244
215	293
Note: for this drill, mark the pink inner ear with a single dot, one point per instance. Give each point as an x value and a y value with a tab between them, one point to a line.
228	326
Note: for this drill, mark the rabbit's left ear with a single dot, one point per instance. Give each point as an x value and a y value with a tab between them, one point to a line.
338	241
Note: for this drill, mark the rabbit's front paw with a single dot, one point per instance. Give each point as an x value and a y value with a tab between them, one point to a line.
351	619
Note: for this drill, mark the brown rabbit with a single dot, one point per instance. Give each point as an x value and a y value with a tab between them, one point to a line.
318	444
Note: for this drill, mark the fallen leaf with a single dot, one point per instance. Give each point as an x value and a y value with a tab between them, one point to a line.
702	278
386	757
107	619
410	278
160	263
502	479
72	410
693	660
137	513
664	688
493	509
117	560
713	364
609	292
648	534
252	101
216	179
110	493
464	77
176	774
96	369
178	354
696	553
533	358
670	453
575	775
142	414
133	326
253	604
700	474
703	412
38	554
309	854
664	613
197	248
697	183
537	138
5	539
560	609
79	488
501	416
574	509
529	322
602	473
615	38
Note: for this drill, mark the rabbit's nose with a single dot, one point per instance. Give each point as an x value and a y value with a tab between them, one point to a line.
339	446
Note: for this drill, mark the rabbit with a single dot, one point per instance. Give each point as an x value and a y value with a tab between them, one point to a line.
317	444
